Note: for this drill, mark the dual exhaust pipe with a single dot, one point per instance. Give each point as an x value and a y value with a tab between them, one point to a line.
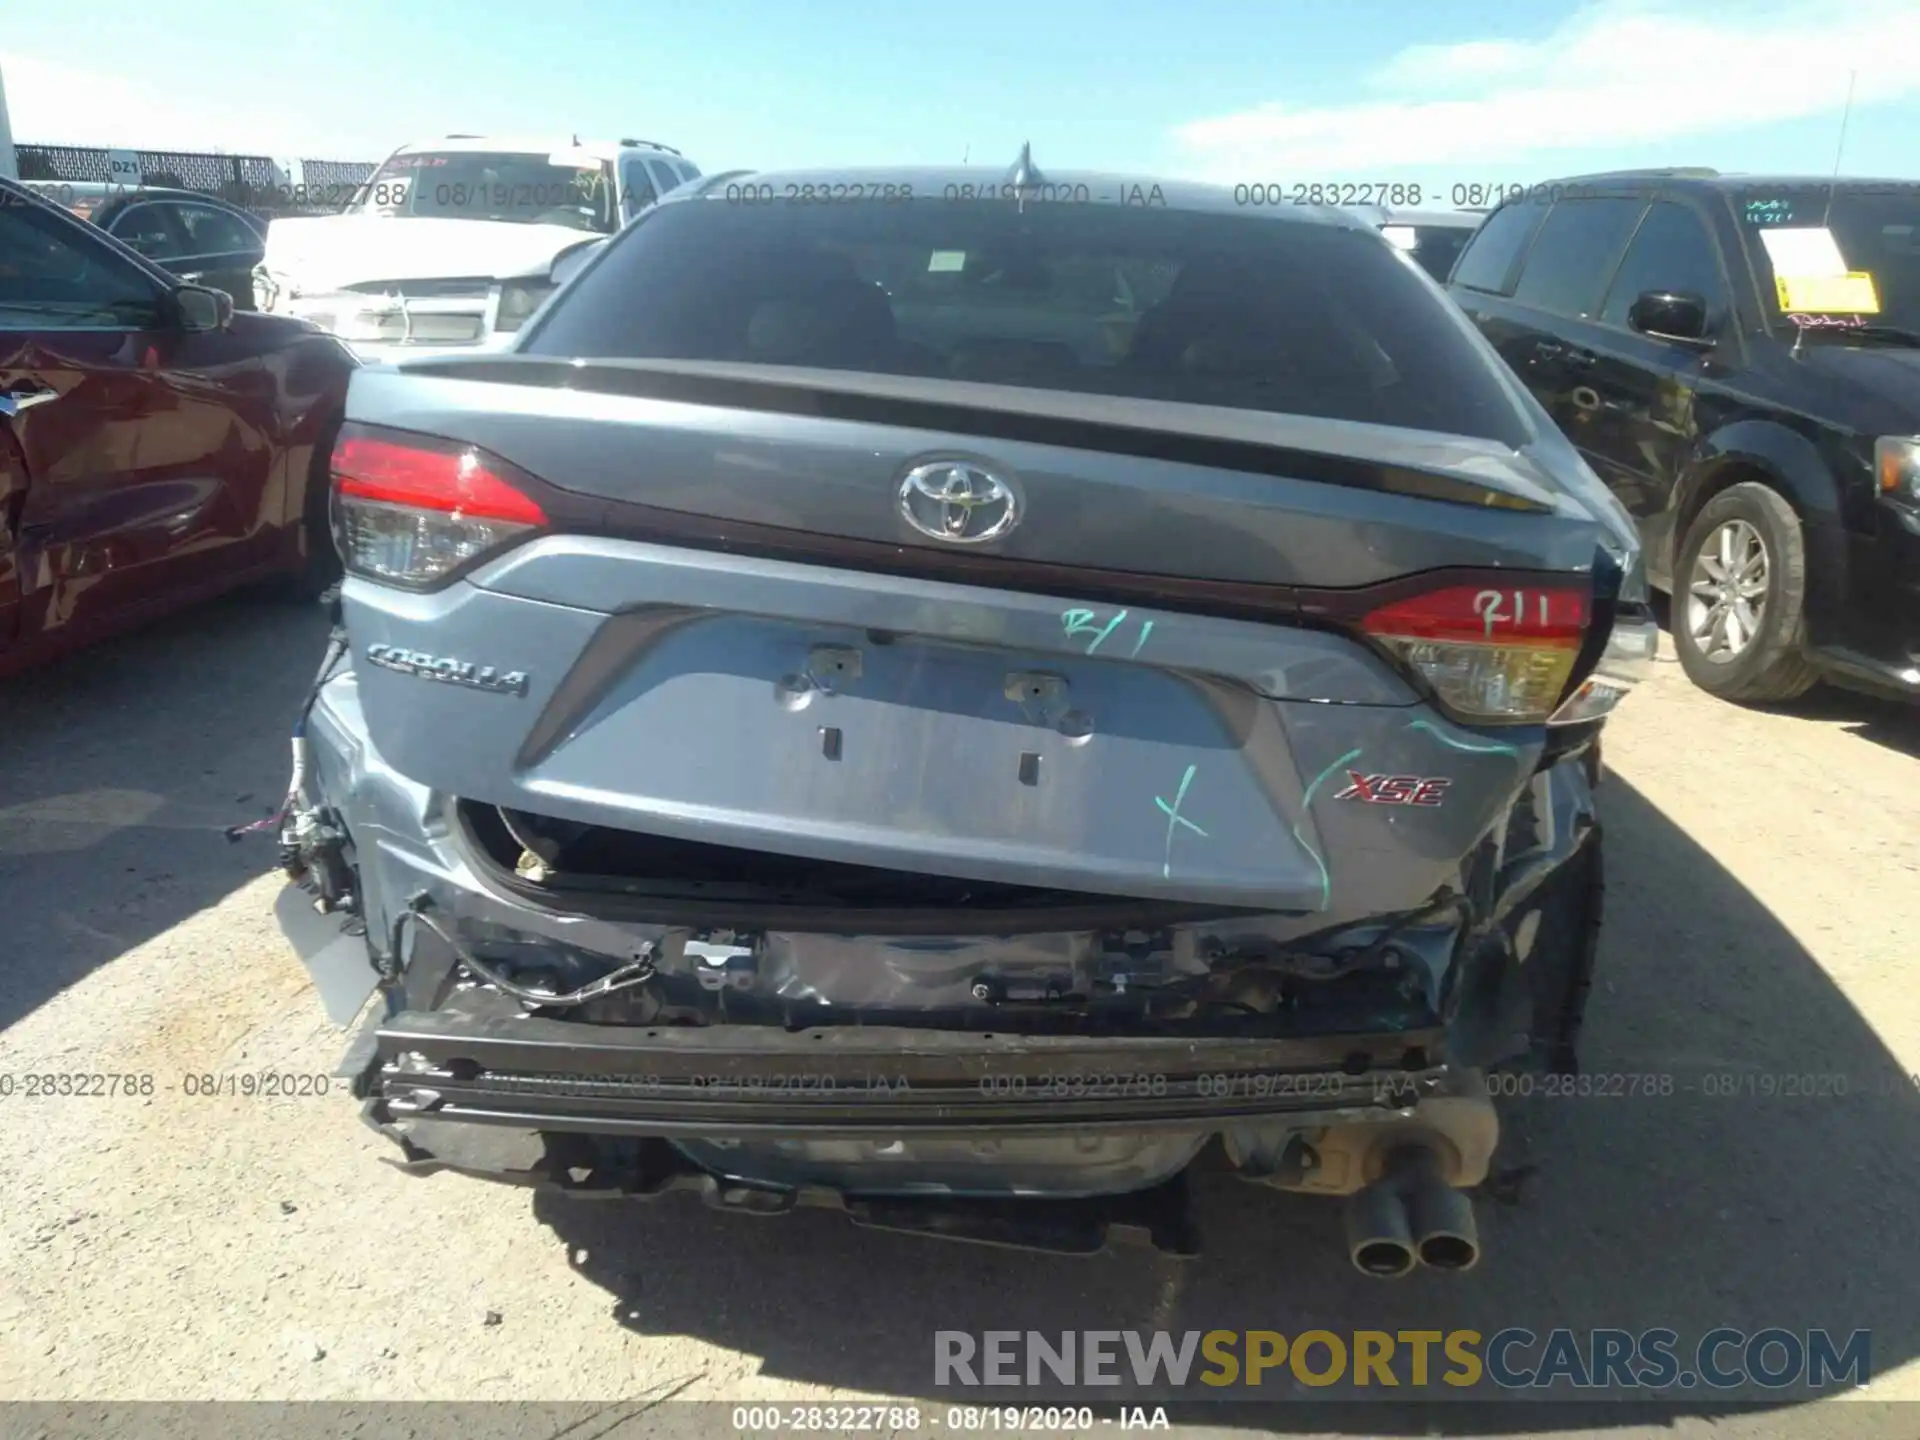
1411	1216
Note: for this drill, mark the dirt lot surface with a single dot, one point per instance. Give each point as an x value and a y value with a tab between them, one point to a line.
1764	912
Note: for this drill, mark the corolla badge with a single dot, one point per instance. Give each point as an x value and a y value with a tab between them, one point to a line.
448	670
959	502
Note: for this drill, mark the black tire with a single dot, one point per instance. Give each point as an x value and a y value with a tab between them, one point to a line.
1772	665
320	568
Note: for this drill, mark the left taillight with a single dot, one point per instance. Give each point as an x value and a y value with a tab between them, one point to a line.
1493	655
410	510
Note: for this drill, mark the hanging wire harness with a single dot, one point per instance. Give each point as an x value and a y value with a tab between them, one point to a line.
637	971
296	786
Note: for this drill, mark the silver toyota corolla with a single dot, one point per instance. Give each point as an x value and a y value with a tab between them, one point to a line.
919	693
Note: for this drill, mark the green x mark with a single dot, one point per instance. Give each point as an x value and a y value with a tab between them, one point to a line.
1174	817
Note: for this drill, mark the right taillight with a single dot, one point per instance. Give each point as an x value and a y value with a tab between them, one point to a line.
1494	655
410	510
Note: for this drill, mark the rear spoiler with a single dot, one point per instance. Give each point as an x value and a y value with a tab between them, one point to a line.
1363	457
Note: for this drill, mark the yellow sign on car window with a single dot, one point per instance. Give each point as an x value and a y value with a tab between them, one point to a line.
1848	294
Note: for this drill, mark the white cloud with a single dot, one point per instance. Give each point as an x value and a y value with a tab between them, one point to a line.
1616	72
1426	67
53	103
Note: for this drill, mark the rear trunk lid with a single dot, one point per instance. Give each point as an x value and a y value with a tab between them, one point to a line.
1148	687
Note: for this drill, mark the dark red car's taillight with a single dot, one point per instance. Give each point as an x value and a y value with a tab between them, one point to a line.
410	510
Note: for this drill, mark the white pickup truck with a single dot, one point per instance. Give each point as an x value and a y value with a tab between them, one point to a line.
451	243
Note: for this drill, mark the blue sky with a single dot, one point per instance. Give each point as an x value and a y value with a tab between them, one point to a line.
1428	91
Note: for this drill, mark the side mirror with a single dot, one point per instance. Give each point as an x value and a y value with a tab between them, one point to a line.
570	262
1665	315
201	308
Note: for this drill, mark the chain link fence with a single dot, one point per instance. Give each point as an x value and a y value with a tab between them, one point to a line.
256	182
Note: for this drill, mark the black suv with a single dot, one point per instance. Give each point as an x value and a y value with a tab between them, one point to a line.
1761	422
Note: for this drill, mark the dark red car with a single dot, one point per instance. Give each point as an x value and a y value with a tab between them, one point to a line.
156	448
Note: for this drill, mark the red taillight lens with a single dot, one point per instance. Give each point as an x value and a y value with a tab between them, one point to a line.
1496	654
410	510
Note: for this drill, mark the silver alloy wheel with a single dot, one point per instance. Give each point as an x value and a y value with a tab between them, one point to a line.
1727	593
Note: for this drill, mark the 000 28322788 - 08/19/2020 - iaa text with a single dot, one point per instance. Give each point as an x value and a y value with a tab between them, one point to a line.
1401	194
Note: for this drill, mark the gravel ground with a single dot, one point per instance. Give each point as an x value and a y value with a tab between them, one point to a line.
1764	899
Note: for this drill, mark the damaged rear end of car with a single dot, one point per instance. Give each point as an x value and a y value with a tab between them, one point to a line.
960	711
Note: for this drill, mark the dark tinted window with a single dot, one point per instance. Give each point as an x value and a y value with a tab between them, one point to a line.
1241	311
636	186
213	231
1574	254
1489	260
149	229
665	177
1670	251
52	276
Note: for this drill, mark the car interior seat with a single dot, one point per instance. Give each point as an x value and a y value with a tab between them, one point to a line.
814	309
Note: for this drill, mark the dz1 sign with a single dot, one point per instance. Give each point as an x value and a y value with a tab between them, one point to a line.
123	168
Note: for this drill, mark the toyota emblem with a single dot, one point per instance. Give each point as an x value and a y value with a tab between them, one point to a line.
959	502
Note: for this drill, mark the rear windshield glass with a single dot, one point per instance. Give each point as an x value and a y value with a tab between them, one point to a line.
492	185
1249	312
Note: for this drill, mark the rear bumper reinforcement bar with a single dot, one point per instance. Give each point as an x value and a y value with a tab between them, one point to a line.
529	1072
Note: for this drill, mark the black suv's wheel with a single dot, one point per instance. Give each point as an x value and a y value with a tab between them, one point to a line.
1739	601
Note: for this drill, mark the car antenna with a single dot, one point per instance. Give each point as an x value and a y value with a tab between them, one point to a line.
1840	149
1025	175
1833	184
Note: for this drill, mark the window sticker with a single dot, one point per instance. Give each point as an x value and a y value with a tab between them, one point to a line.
946	260
1849	294
1803	252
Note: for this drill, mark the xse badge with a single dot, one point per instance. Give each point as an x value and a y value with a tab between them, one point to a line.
1395	789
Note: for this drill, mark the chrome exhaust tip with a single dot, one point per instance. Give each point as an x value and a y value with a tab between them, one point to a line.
1379	1234
1445	1234
1410	1216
